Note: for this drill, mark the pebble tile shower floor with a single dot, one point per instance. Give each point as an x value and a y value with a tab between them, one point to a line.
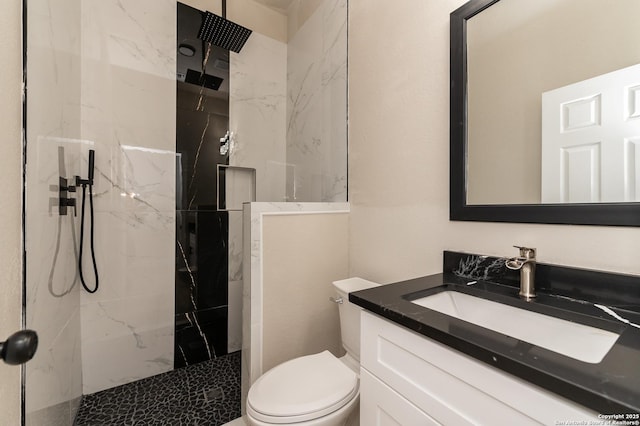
204	394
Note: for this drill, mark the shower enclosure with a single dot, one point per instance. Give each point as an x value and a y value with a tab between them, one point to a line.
101	75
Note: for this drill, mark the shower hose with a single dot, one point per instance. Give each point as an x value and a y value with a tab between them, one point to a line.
93	252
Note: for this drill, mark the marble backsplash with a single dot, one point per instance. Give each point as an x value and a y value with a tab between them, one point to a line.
614	290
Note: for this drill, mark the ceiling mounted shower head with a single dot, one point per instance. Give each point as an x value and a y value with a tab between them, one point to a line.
223	33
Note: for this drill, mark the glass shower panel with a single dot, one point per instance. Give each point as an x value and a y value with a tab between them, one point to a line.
100	76
54	148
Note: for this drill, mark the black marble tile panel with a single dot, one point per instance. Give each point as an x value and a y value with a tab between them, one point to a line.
202	260
198	136
200	336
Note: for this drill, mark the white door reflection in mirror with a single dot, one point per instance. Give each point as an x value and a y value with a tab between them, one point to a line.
591	140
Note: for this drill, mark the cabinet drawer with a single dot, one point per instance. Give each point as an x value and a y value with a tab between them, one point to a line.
452	387
382	406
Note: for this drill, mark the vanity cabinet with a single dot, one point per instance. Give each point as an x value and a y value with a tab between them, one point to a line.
408	379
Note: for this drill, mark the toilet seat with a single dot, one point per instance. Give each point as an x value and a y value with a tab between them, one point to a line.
302	389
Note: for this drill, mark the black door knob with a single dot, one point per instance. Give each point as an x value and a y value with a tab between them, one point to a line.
19	347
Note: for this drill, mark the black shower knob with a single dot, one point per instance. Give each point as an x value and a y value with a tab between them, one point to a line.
19	347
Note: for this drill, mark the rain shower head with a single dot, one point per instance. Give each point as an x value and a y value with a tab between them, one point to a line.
223	33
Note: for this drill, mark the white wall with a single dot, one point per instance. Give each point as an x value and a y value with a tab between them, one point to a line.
399	158
302	255
11	212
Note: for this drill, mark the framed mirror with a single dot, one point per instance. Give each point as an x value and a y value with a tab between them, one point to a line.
545	112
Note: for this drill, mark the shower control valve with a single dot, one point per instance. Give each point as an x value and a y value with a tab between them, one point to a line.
65	187
63	200
68	202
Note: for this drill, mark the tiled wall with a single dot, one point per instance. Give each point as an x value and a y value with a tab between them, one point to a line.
54	148
128	114
257	116
287	109
201	230
317	106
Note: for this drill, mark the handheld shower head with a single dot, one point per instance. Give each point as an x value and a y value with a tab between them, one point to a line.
92	155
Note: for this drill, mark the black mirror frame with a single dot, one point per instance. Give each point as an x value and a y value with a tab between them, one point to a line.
614	214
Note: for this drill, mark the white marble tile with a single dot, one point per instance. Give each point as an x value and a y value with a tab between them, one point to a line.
247	340
62	414
134	254
128	117
234	326
317	106
53	376
130	339
135	299
52	280
114	361
235	246
129	317
130	120
135	34
147	179
257	113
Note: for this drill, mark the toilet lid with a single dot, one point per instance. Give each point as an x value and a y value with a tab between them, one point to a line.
302	389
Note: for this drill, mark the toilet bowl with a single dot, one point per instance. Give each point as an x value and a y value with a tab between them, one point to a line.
318	389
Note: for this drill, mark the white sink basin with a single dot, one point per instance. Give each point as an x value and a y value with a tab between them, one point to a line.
581	342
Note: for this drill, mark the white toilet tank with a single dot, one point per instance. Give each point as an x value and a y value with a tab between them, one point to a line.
350	313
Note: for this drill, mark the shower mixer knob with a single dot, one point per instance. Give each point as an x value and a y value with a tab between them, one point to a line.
70	202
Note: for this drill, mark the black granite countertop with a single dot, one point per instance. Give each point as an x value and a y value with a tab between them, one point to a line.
609	387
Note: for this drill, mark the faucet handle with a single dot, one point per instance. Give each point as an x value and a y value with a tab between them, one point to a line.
527	252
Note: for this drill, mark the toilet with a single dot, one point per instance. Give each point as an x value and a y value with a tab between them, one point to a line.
319	389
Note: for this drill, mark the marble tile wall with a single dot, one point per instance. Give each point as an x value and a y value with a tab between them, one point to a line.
53	379
317	106
128	116
201	230
257	113
257	116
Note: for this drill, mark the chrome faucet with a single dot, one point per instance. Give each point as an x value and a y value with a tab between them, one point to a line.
526	263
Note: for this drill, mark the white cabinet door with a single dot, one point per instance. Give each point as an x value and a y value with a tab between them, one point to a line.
382	406
453	388
591	140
